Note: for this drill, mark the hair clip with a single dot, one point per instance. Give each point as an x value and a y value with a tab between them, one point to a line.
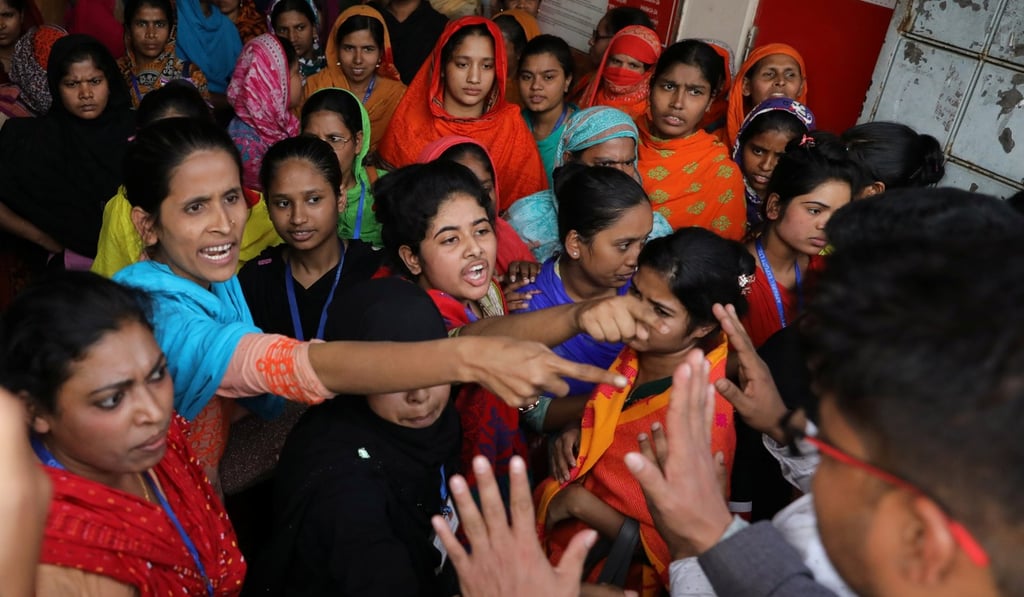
746	282
807	141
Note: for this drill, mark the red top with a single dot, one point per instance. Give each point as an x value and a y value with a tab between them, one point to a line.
105	531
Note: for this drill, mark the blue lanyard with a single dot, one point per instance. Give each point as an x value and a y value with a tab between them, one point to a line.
445	509
289	286
135	86
558	123
359	211
48	459
561	118
369	88
181	531
767	269
43	454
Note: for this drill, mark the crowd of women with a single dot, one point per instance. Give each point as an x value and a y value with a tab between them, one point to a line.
351	250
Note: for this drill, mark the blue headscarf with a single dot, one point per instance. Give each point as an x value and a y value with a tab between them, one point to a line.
210	42
800	111
198	330
535	217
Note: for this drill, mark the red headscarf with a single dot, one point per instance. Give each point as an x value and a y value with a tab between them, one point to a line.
619	87
737	111
510	246
421	118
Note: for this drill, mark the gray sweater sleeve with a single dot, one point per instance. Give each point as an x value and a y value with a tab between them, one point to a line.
757	561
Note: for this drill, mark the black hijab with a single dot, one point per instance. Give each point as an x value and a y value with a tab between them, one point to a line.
58	171
338	444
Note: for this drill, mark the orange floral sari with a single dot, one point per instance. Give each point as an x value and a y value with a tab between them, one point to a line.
693	182
608	434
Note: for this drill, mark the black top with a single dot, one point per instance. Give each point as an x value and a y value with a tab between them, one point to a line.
262	281
354	493
352	507
413	39
756	476
58	171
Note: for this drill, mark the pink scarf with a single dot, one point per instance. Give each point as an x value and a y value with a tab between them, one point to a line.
259	90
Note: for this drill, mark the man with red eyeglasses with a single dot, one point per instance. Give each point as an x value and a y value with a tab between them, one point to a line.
915	342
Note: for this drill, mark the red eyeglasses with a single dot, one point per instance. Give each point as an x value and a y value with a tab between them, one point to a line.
961	535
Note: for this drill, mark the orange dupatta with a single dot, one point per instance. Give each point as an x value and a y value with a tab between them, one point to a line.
388	89
737	109
639	43
715	116
421	118
693	182
531	29
608	434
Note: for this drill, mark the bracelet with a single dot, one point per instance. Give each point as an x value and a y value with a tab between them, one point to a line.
529	407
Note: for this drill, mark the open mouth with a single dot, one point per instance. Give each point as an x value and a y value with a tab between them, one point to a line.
217	254
476	274
301	235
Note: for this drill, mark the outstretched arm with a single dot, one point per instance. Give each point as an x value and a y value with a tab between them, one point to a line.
24	502
614	319
514	370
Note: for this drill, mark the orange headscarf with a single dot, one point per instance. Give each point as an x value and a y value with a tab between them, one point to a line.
737	111
388	88
421	118
715	115
629	95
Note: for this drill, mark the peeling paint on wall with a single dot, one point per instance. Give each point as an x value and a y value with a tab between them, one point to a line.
1008	100
913	54
1006	140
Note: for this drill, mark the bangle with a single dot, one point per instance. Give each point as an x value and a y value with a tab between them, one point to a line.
529	407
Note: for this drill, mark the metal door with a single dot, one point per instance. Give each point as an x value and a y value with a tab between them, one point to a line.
955	69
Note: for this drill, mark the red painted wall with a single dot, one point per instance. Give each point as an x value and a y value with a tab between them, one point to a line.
839	40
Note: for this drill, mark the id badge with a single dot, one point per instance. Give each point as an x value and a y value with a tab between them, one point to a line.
452	517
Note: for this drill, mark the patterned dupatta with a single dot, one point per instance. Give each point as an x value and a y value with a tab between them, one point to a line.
611	422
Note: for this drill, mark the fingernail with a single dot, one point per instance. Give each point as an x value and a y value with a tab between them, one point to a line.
590	539
620	381
706	366
686	370
656	426
719	458
516	465
642	437
458	485
480	465
634	462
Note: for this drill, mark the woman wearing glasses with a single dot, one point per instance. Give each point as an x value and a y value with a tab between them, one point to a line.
337	117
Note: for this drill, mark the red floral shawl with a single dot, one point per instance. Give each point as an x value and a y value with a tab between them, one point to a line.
100	530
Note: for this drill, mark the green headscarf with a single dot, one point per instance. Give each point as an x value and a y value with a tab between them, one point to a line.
369	228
